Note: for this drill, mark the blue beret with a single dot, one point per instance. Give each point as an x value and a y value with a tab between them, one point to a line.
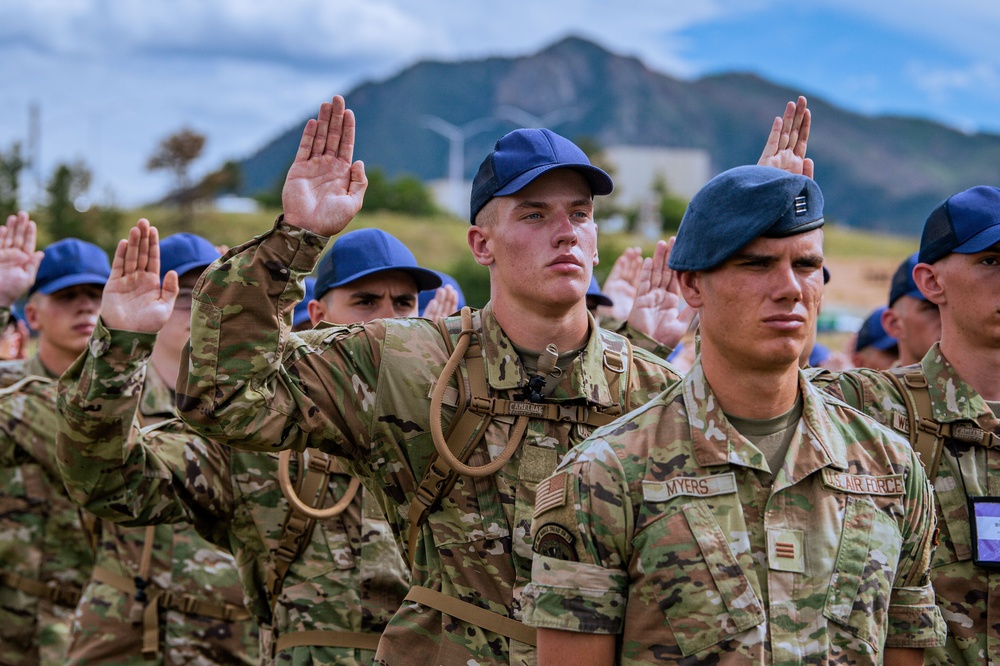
739	206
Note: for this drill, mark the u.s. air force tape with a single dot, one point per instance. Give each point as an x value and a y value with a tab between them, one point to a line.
555	541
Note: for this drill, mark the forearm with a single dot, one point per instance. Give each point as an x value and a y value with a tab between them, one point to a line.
240	321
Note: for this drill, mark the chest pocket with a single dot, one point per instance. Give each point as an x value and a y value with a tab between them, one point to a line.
697	581
858	597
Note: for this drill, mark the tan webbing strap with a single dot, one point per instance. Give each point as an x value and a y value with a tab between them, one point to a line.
472	614
338	639
61	594
464	433
298	527
149	616
541	410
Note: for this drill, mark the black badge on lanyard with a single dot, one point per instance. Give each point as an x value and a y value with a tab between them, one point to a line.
984	517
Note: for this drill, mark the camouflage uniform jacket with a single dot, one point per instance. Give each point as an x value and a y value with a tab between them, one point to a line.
108	629
969	596
349	577
41	538
665	528
362	392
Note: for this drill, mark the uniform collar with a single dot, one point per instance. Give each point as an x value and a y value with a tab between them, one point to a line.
584	379
951	398
716	442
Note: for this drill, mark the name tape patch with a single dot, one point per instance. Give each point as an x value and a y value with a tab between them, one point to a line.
861	484
692	486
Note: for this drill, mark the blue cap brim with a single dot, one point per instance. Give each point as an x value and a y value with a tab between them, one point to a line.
600	183
190	266
984	240
72	281
425	279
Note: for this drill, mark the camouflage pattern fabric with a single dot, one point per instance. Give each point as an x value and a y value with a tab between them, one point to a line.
665	528
362	392
41	538
106	628
968	595
349	577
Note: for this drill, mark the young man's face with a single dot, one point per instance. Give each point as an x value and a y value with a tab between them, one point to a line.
759	308
970	298
65	319
916	325
378	296
540	243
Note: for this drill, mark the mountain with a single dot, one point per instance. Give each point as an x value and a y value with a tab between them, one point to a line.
880	173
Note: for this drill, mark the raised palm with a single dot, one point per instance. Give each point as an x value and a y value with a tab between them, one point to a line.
324	188
658	310
18	259
133	298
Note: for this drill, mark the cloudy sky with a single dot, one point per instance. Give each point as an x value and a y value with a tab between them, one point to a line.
112	77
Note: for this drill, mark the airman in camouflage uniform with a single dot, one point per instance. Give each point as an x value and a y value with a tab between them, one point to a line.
339	591
363	392
44	556
800	532
958	269
68	288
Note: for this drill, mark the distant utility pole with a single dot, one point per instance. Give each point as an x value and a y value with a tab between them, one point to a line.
34	154
456	135
525	119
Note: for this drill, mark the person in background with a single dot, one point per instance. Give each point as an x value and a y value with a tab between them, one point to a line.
911	319
321	589
873	347
163	592
434	303
45	558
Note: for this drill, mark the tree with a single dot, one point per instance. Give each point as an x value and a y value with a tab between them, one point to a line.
175	154
69	183
405	194
11	165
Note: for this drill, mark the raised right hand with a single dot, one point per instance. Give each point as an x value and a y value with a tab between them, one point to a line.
133	298
18	259
324	189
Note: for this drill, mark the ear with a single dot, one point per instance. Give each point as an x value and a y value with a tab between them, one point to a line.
317	311
480	244
691	288
891	323
928	280
31	314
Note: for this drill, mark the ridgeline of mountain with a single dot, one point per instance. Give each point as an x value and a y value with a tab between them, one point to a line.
880	173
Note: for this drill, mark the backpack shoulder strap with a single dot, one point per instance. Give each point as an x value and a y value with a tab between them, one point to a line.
927	442
464	432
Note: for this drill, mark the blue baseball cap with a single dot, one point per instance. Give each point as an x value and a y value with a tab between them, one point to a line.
523	155
301	313
185	252
365	252
425	297
819	353
739	206
871	333
966	223
68	263
902	281
595	296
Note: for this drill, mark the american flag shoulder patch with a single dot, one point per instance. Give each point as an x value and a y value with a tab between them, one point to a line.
551	493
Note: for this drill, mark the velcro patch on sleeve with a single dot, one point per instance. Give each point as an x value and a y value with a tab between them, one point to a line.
555	541
551	493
